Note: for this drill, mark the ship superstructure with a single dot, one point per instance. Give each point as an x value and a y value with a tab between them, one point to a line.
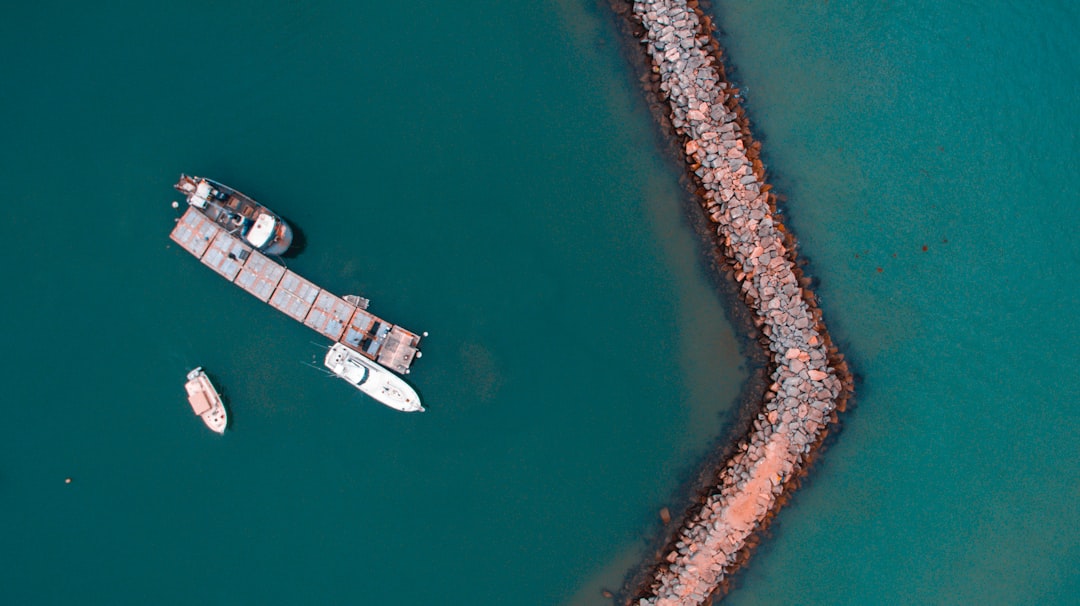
238	214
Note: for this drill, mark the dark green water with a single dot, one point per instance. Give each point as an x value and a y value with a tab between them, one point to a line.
486	173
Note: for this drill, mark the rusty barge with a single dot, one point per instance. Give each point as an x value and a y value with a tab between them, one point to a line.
343	320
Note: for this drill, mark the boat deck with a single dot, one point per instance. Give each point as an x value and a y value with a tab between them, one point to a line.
293	295
221	210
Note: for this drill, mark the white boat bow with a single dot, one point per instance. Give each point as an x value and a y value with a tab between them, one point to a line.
372	379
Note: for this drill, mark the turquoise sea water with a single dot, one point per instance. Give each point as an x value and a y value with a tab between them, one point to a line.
482	172
487	173
890	127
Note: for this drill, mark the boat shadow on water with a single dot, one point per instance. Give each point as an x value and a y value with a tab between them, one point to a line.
299	240
223	393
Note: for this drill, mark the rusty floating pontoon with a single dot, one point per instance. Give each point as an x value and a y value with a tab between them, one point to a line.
342	320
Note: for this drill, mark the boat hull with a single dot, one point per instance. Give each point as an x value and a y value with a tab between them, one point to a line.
281	243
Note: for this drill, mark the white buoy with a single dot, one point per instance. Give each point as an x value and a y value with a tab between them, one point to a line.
425	333
175	204
419	355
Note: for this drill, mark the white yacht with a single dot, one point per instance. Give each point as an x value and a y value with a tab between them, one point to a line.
205	400
372	379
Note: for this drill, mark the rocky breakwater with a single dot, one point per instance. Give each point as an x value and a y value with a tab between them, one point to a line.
809	379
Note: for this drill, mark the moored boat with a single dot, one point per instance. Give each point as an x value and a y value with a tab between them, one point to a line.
238	213
205	400
372	379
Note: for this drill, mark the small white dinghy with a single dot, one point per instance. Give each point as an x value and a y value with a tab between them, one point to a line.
205	400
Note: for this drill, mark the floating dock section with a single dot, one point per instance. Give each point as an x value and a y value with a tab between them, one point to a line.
293	295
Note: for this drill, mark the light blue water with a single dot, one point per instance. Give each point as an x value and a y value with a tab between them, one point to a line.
952	126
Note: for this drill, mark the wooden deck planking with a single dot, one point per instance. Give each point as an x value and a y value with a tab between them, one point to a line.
260	276
398	350
294	296
357	328
328	315
194	232
226	255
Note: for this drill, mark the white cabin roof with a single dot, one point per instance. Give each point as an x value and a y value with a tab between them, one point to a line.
262	231
202	192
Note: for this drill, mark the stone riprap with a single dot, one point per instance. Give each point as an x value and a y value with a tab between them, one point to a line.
809	380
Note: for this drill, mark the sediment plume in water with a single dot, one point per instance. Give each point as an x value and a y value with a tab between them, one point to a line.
808	380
